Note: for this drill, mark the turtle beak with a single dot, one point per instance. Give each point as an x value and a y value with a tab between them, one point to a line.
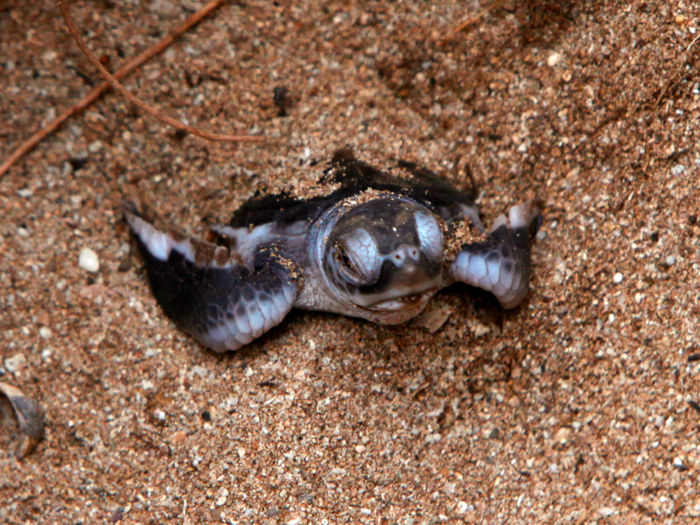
409	302
412	301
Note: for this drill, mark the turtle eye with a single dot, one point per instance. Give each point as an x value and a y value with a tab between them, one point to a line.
356	258
346	267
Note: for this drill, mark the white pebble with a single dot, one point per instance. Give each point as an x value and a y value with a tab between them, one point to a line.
45	332
463	507
15	363
222	497
541	235
677	169
606	511
670	260
200	371
678	462
553	59
88	260
617	278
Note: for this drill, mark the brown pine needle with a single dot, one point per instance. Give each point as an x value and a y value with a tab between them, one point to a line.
469	21
677	75
137	101
127	68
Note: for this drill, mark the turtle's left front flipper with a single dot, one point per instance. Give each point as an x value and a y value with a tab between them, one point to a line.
207	293
501	264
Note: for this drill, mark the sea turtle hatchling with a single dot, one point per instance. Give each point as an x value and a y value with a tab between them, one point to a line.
378	246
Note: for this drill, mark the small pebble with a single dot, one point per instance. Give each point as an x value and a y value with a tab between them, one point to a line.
200	371
562	435
15	363
670	260
606	511
45	332
88	260
617	278
553	59
677	169
222	497
463	507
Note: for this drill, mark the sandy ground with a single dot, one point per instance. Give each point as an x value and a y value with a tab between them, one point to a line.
578	407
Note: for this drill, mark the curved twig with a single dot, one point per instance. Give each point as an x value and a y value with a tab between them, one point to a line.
137	101
469	21
123	71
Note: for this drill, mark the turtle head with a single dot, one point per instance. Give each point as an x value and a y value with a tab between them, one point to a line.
385	255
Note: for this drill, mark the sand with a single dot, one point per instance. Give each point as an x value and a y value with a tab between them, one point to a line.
581	406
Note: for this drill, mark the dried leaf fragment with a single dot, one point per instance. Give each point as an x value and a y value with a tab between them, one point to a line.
432	318
21	421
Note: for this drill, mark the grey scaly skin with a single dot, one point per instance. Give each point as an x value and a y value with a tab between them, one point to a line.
374	248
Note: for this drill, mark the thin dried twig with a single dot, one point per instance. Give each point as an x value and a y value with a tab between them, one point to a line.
470	21
134	99
673	80
91	97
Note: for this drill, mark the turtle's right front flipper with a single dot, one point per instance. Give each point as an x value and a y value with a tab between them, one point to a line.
207	293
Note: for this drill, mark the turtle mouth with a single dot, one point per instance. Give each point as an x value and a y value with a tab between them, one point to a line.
405	302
